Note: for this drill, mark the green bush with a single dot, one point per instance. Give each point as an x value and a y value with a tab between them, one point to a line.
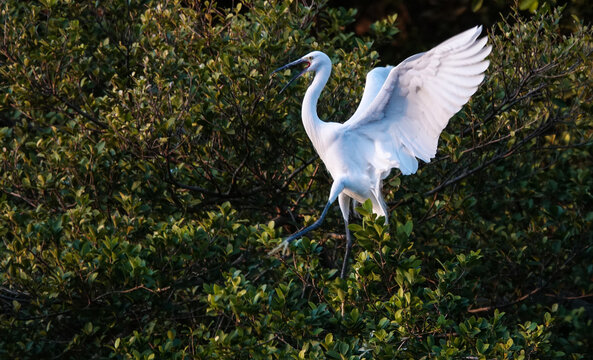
148	164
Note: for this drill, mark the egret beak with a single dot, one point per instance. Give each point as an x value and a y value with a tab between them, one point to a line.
296	62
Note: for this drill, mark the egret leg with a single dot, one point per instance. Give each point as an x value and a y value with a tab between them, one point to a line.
336	189
346	253
344	201
298	234
379	206
311	227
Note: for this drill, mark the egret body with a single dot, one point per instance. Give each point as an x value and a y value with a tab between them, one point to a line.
401	115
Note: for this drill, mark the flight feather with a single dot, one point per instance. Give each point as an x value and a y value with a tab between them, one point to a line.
405	108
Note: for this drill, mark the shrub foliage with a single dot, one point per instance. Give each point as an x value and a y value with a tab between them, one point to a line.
148	164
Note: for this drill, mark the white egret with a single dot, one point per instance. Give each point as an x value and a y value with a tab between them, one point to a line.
400	118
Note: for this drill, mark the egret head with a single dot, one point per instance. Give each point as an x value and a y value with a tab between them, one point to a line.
313	61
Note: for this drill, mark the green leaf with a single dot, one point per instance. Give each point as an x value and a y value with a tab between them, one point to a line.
530	5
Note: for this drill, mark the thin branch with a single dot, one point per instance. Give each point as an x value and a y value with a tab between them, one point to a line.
544	127
93	118
19	196
135	288
516	301
570	297
171	180
297	171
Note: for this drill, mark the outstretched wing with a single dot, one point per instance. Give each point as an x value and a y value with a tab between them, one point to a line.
416	100
375	80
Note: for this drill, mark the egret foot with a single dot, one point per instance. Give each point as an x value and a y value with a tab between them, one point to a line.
283	246
298	234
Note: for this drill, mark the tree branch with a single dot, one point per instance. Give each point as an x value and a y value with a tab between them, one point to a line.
516	301
540	130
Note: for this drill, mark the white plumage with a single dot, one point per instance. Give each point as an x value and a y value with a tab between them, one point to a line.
400	117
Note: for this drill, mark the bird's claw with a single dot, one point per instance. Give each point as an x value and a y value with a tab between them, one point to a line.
283	246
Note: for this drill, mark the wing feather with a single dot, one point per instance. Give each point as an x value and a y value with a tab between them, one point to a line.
477	68
404	109
471	50
374	83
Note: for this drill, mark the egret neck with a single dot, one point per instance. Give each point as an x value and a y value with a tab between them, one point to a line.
311	121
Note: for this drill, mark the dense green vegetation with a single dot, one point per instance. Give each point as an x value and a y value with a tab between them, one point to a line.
148	164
